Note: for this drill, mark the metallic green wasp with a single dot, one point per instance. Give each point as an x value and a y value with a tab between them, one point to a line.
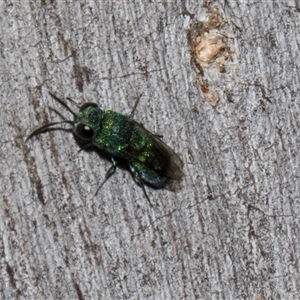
149	159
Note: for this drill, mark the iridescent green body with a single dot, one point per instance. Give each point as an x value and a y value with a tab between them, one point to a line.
150	160
121	136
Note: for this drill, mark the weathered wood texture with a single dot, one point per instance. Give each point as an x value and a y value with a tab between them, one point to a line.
228	230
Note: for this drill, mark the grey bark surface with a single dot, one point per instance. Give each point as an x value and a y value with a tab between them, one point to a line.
228	230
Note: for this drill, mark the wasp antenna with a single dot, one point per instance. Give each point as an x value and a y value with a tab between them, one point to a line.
70	99
43	127
58	113
63	104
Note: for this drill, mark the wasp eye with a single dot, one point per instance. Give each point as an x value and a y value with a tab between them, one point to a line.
84	132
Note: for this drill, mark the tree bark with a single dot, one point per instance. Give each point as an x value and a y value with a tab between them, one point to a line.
228	230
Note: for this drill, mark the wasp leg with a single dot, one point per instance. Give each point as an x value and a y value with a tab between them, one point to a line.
135	105
137	178
109	172
85	146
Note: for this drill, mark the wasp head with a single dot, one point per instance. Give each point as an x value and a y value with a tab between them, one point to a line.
88	121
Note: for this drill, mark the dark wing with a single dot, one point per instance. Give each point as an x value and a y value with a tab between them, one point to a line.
174	163
165	160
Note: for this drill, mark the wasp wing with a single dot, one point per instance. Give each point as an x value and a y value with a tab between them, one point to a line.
161	159
173	162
